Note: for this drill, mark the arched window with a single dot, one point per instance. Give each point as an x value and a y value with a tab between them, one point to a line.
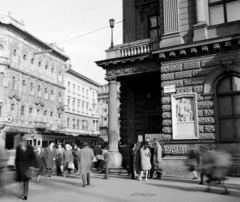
228	102
74	126
52	95
14	52
51	117
30	114
45	116
46	93
31	89
32	61
39	91
13	83
24	86
22	112
68	122
78	124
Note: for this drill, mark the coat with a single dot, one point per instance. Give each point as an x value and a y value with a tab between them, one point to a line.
136	160
40	161
49	157
23	161
86	156
67	158
59	157
145	159
157	158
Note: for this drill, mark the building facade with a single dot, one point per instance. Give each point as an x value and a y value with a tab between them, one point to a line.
31	83
81	98
103	93
179	72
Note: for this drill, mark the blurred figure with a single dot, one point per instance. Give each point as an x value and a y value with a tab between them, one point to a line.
193	162
76	151
145	161
50	156
68	158
85	158
40	161
59	159
98	153
157	159
3	162
106	159
151	147
25	157
217	168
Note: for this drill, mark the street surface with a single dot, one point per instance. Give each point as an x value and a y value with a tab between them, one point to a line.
120	188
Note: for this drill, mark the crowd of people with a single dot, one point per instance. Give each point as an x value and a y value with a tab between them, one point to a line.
146	158
31	162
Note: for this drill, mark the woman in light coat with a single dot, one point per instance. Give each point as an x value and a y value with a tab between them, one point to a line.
67	158
145	161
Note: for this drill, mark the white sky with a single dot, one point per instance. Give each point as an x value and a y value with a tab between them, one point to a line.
61	20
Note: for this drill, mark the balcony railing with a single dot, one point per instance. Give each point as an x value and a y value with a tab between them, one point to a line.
130	49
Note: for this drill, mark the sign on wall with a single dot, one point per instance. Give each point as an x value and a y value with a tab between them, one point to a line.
169	89
185	116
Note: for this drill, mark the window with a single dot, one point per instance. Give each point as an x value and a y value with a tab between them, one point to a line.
69	86
59	97
83	92
31	88
73	105
86	109
87	94
74	123
52	95
228	102
46	68
74	88
78	106
68	103
32	61
60	76
46	94
39	91
30	114
51	117
13	83
83	108
39	63
22	112
14	52
45	116
52	72
24	86
68	120
78	123
223	11
24	57
153	27
78	90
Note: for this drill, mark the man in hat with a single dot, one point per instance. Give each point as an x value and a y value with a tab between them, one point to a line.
50	155
86	156
59	159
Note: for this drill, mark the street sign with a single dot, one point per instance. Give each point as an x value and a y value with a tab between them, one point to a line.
169	89
8	119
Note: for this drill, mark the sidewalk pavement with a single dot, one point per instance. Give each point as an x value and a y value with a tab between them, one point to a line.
119	188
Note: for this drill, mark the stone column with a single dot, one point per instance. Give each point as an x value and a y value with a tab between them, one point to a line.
200	28
116	157
171	24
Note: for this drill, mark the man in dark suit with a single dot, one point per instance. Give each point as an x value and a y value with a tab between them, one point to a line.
50	157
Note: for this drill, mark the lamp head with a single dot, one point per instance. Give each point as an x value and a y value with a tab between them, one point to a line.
111	22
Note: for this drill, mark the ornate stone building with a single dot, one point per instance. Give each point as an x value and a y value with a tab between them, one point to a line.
31	84
179	72
81	100
103	110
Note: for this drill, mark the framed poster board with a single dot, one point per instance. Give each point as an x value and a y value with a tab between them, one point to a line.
185	116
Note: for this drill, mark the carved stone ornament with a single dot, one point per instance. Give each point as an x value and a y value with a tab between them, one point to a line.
183	52
193	50
216	46
227	65
205	48
162	56
185	116
228	43
172	54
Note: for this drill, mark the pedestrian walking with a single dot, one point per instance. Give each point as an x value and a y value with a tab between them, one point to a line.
40	161
50	157
68	159
151	146
59	159
86	156
145	161
25	159
193	162
130	163
106	160
157	159
76	151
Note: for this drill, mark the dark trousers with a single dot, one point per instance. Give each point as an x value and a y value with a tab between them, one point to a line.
84	178
59	171
106	170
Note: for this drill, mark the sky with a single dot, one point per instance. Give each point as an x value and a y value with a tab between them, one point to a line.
62	20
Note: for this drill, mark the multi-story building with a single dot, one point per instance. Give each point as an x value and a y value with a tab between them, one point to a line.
103	110
81	100
31	84
179	72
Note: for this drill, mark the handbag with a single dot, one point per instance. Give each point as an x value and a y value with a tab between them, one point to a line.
94	159
71	165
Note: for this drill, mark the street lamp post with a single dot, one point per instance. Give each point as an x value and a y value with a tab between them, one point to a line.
111	22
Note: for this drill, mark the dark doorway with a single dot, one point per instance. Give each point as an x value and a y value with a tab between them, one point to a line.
155	125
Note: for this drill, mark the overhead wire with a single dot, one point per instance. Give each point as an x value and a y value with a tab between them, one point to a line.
87	33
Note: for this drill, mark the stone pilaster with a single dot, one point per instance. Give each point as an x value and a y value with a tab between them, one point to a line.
115	156
171	24
200	28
